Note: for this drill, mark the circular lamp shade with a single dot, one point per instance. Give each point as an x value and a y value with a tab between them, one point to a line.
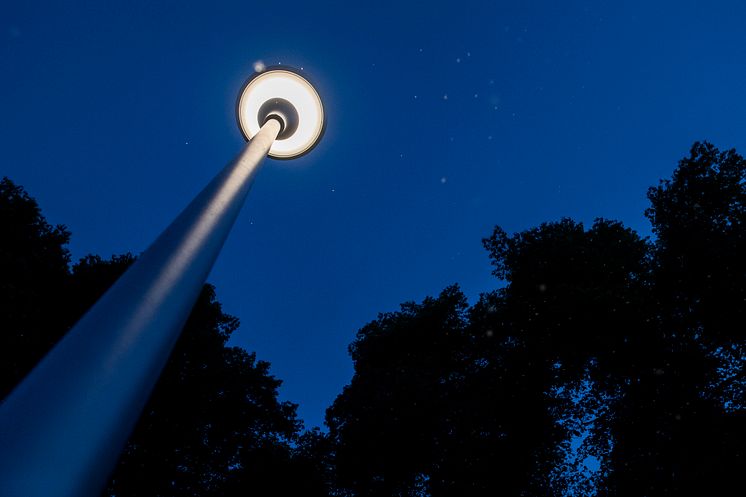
284	95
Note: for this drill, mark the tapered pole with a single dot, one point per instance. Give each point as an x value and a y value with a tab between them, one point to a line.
63	428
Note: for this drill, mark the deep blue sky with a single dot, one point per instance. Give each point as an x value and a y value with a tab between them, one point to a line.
444	119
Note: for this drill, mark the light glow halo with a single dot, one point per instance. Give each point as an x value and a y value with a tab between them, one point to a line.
290	86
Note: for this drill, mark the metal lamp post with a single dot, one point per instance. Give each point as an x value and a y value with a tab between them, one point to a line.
63	428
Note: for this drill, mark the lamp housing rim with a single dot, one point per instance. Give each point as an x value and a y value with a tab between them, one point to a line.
297	72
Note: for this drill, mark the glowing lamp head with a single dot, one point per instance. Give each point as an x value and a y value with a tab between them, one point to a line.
284	95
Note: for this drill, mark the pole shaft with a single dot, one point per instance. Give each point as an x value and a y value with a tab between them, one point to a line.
63	428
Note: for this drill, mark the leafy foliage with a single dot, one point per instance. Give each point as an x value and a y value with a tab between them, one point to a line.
34	269
214	412
602	348
674	432
606	364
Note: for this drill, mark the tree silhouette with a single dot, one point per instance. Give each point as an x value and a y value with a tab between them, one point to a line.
214	411
34	268
388	423
680	426
603	364
622	350
577	301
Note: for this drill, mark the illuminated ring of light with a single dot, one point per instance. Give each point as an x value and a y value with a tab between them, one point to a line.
290	86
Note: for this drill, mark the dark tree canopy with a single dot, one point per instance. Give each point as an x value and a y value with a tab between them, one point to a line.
699	217
34	271
389	421
680	426
603	364
459	402
214	411
574	295
600	345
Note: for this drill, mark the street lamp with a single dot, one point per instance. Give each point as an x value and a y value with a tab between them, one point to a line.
63	428
284	95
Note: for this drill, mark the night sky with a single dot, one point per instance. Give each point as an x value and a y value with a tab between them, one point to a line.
444	119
